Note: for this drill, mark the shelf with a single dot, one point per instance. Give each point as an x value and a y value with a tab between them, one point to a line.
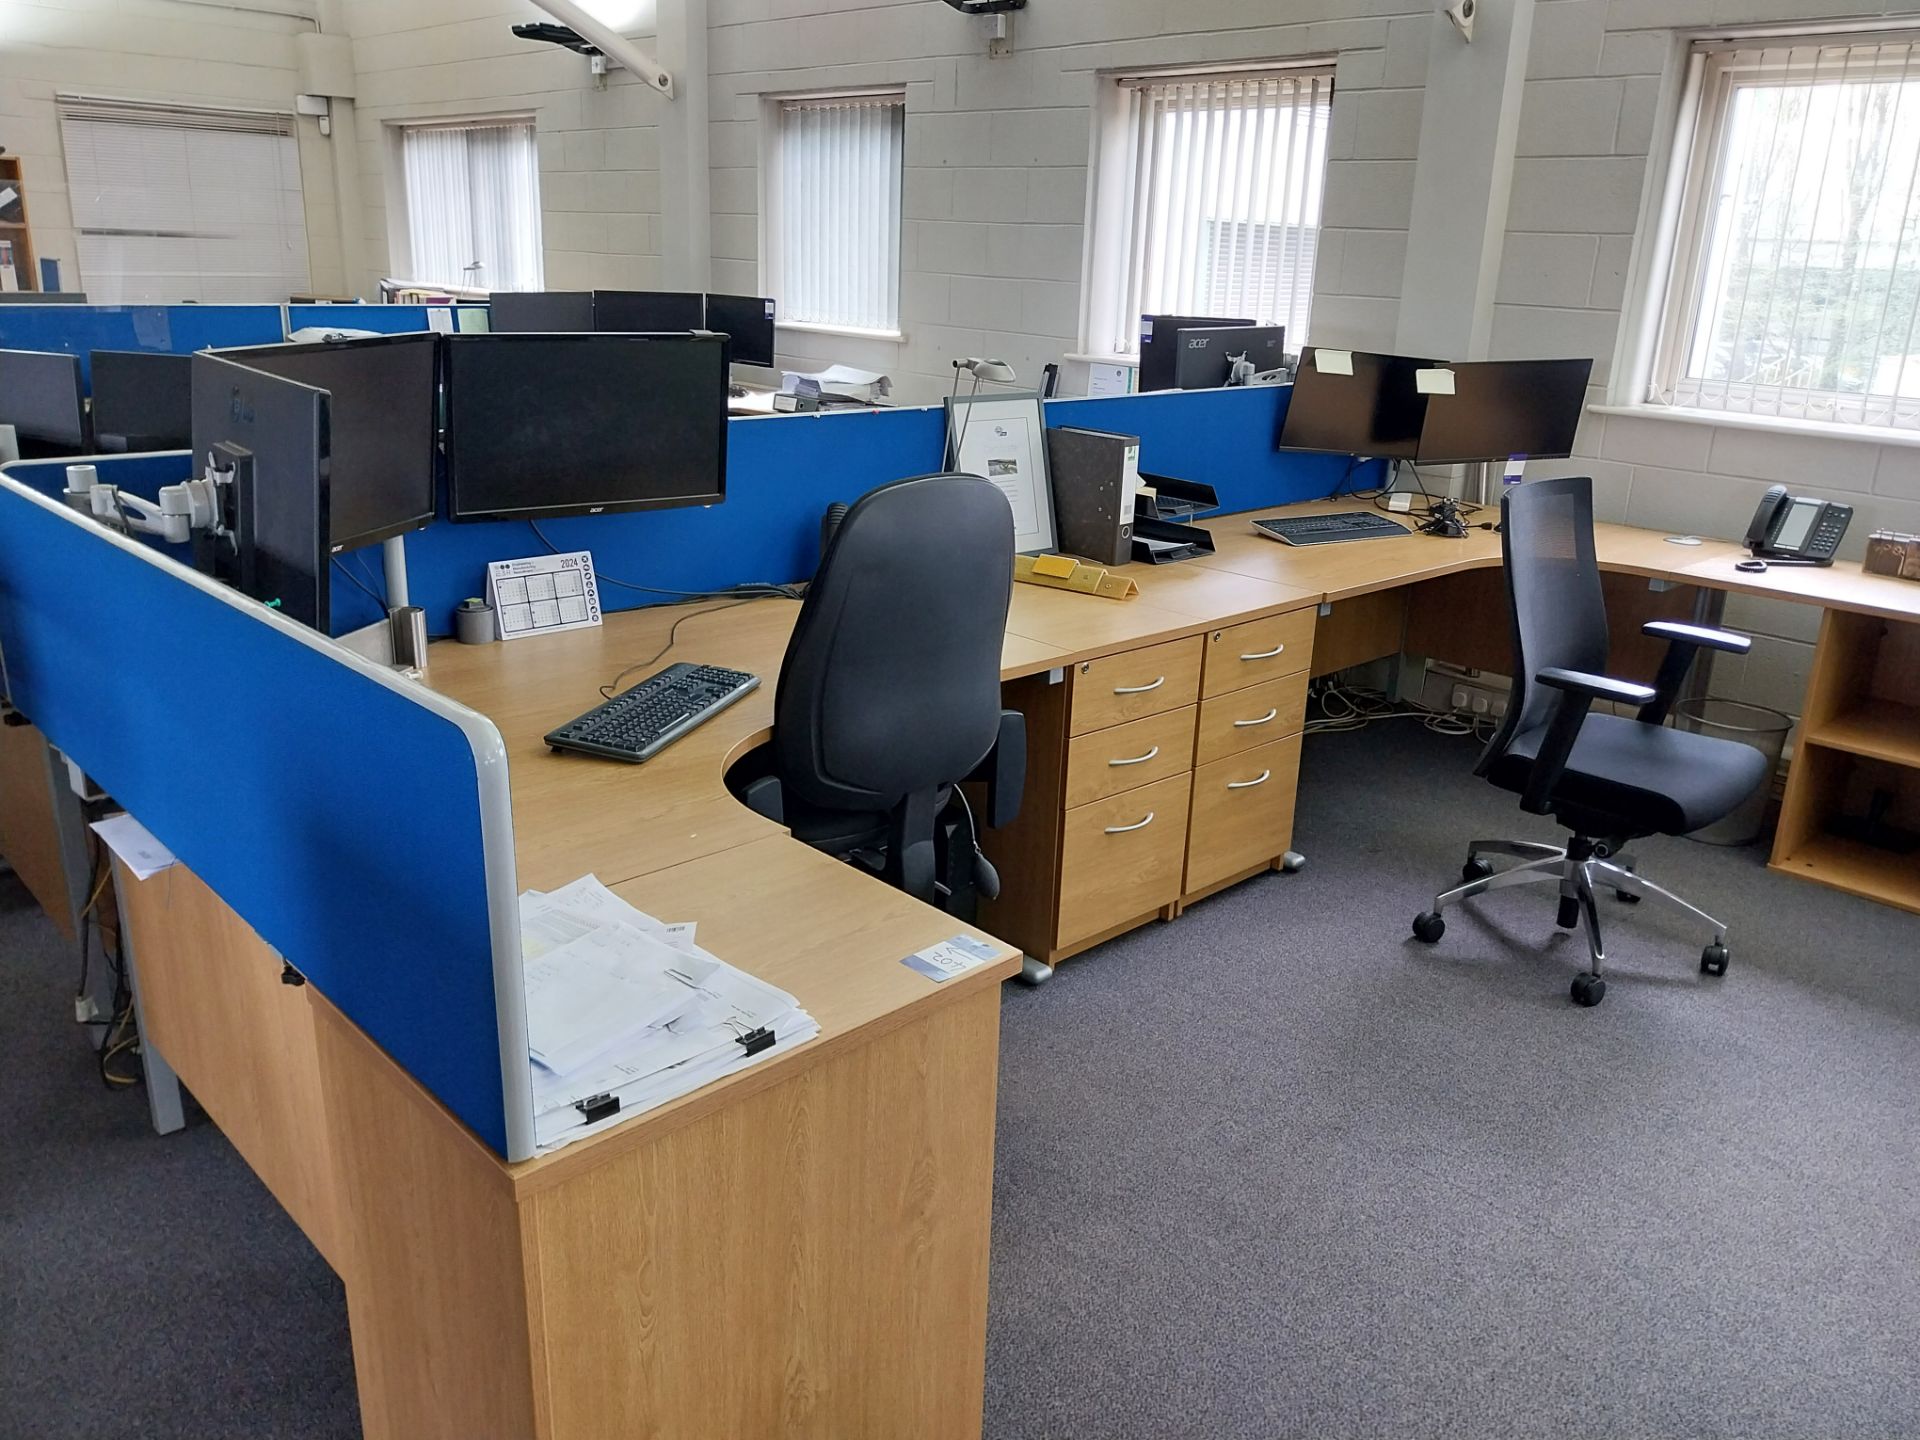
1858	869
1879	729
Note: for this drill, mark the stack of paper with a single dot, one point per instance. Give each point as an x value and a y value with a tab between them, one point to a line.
622	1008
869	387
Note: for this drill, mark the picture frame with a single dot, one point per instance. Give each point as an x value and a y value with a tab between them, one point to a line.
1003	439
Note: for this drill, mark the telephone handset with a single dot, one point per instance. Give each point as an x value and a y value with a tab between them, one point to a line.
1791	529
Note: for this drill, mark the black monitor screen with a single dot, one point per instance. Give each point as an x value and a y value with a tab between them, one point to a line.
1377	410
386	413
1157	356
142	401
549	311
281	518
40	398
1505	408
1204	358
644	311
542	425
748	321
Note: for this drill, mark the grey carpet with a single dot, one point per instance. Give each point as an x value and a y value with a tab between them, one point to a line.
1269	1171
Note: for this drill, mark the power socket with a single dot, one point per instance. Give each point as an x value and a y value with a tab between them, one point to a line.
84	1009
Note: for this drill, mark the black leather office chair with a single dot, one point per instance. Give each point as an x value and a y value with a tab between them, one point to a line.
890	692
1607	778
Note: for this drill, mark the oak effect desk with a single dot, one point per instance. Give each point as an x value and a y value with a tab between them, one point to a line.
802	1249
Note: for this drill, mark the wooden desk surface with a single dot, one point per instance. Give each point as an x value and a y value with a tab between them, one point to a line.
1341	571
1841	586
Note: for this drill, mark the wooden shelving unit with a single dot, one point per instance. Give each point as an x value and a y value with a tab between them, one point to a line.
14	227
1851	816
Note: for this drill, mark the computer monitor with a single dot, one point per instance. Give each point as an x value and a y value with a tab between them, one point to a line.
277	507
386	423
649	311
1500	409
1376	410
141	401
40	397
1204	357
544	311
1157	354
748	321
541	425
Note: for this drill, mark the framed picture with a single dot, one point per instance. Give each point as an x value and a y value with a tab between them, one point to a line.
1003	438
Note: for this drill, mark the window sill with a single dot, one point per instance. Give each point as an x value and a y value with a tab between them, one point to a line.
1131	362
1775	424
850	332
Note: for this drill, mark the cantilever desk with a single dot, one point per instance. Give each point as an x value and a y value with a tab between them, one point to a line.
802	1249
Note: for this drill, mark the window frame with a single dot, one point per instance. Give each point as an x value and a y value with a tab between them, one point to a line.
1114	201
773	111
400	206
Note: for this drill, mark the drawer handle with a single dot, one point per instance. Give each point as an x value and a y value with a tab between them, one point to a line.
1139	689
1243	724
1265	775
1266	654
1123	829
1138	759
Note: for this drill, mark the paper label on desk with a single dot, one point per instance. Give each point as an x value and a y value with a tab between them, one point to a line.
1109	380
544	595
134	846
1333	362
1436	381
950	957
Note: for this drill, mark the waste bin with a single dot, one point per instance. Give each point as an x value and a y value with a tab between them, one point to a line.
1765	730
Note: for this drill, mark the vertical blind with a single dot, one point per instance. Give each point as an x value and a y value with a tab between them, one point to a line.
837	215
473	204
1228	173
174	203
1796	283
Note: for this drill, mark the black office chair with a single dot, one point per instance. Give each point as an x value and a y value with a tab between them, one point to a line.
889	694
1607	778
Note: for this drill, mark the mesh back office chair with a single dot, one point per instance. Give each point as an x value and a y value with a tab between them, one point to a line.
890	691
1609	779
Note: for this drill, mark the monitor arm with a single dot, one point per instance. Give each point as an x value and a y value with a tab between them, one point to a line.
178	511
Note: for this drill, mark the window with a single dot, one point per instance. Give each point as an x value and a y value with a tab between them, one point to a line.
1794	289
172	203
833	208
1209	200
473	204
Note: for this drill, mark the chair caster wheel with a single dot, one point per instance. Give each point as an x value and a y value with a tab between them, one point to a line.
1569	916
1713	959
1588	989
1293	862
1428	926
1626	897
1475	869
1034	973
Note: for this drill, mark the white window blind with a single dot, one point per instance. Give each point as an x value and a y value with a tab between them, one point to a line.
1795	288
1224	177
835	211
473	204
173	203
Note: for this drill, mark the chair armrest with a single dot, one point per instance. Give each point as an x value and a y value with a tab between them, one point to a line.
1684	642
1578	690
1004	770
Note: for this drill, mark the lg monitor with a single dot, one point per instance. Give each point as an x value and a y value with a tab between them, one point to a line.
1204	358
272	433
540	311
544	425
385	420
40	397
141	401
1356	404
1157	354
649	311
748	321
1500	409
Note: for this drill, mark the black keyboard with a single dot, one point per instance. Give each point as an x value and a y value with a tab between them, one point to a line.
639	723
1325	529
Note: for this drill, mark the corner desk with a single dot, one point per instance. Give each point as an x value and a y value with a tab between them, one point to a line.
801	1249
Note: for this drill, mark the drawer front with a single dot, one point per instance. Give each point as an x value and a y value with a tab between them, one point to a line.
1125	757
1119	688
1242	812
1243	655
1122	857
1243	719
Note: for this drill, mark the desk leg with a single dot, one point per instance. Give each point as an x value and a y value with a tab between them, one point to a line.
1709	609
163	1086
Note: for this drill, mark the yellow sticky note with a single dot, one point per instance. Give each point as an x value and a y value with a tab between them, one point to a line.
1059	566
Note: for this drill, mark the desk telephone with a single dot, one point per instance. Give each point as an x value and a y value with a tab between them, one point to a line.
1792	529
